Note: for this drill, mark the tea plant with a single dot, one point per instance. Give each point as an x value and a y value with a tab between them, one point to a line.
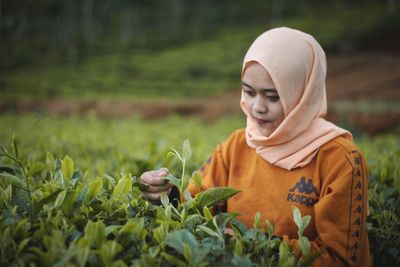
52	214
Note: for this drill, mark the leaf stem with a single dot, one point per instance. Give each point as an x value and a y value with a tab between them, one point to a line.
21	167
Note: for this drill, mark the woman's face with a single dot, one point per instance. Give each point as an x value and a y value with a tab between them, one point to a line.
262	99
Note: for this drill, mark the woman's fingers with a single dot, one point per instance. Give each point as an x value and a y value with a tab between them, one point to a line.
155	196
154	178
159	188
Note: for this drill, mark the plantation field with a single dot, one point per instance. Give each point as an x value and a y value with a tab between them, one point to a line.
114	148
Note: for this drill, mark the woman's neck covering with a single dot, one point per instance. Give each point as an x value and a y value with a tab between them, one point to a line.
297	66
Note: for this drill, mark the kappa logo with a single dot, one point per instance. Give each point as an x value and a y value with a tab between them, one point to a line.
303	192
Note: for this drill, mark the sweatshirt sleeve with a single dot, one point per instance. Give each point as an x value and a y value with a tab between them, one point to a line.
341	213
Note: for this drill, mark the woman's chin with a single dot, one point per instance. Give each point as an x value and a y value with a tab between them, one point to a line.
265	131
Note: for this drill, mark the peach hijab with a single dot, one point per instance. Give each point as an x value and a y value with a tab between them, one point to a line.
297	66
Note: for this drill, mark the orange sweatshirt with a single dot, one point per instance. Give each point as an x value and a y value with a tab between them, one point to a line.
332	188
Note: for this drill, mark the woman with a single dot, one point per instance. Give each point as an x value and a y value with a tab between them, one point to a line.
288	155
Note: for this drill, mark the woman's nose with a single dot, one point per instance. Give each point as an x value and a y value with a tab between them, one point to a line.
260	106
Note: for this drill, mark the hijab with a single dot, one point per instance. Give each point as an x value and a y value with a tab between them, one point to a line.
297	66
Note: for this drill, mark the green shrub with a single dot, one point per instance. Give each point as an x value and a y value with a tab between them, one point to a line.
53	215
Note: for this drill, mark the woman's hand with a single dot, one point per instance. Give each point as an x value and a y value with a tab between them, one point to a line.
157	184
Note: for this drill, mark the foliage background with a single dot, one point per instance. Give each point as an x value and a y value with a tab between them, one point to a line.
94	79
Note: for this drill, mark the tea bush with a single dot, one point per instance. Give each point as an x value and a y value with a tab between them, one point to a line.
53	215
105	148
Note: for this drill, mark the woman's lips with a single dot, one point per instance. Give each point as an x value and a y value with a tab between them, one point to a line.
261	122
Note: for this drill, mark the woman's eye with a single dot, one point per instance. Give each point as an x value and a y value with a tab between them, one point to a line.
273	98
249	93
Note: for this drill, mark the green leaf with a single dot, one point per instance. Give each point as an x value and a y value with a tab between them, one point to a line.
209	231
301	223
14	144
177	238
242	261
6	195
67	167
296	216
187	195
82	251
257	220
270	228
14	180
308	260
305	221
174	153
159	234
95	188
95	232
8	169
60	199
197	179
37	206
304	244
174	261
36	168
207	213
187	252
172	179
123	187
187	152
286	259
212	196
134	228
164	200
238	247
108	251
21	246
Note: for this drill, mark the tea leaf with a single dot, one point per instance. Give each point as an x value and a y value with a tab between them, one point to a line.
286	259
207	213
95	233
36	168
172	179
14	144
6	195
67	167
123	187
177	238
13	180
187	152
174	261
159	234
270	228
187	252
301	223
95	188
108	251
308	260
305	221
238	247
257	220
212	196
242	261
304	244
197	179
164	200
209	231
60	198
187	195
297	216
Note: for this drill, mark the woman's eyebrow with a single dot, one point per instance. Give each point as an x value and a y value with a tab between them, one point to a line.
264	90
